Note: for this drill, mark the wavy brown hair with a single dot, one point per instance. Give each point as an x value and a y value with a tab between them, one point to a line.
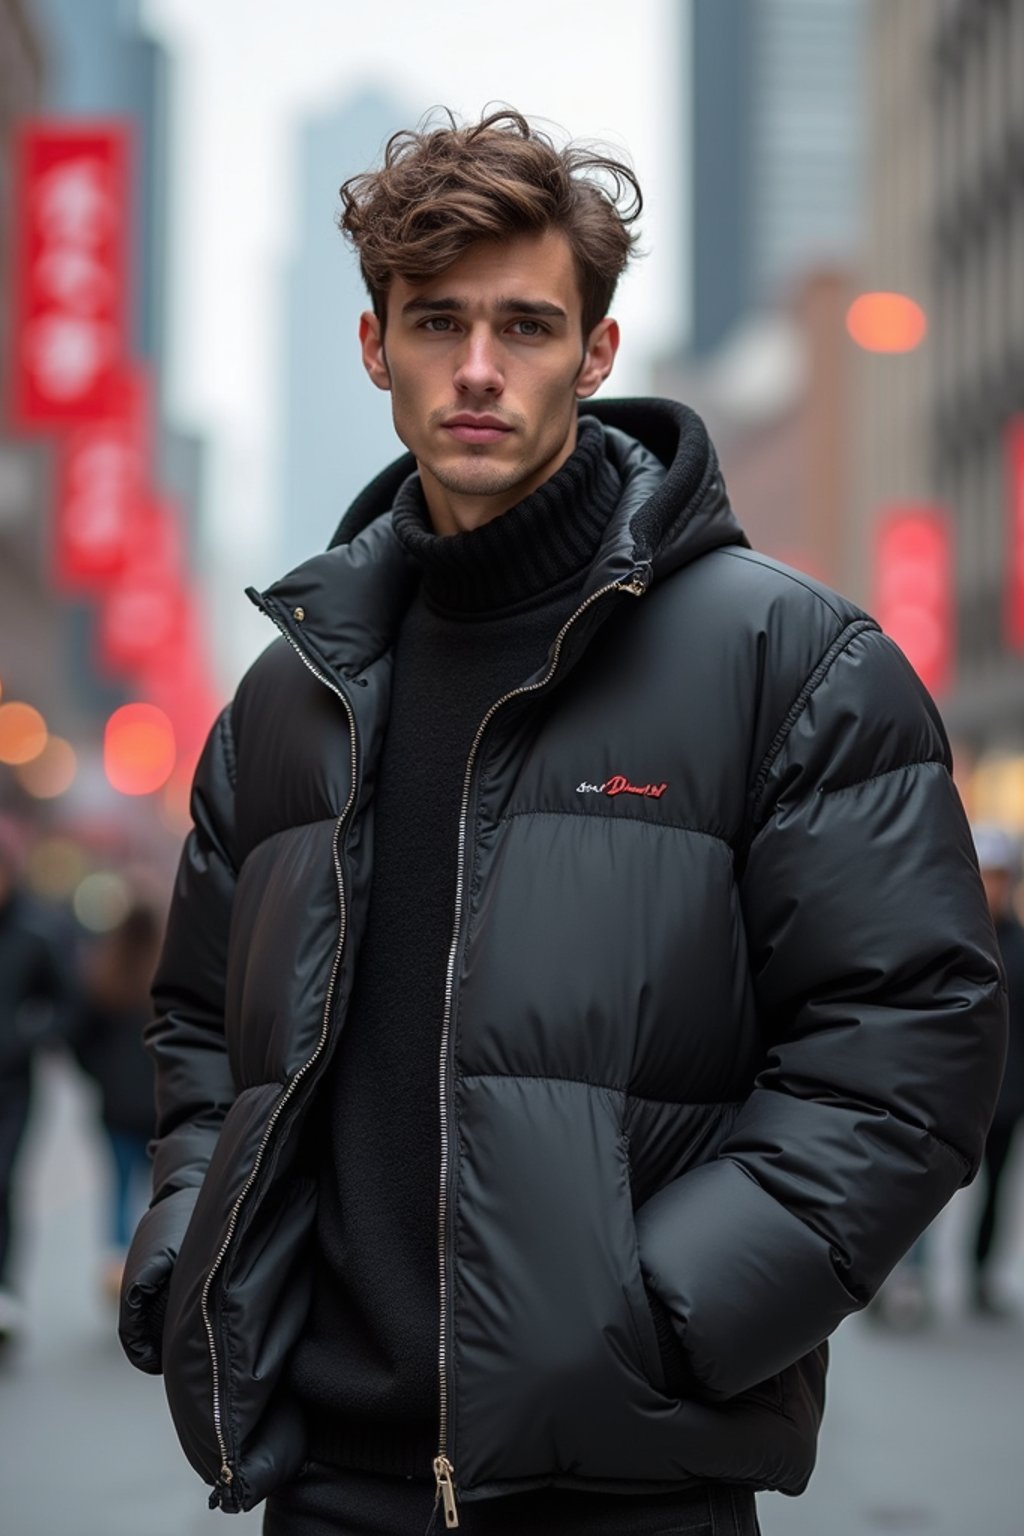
440	189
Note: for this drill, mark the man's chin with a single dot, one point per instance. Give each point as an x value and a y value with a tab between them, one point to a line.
477	477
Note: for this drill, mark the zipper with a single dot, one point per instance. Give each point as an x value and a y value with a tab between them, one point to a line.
223	1494
444	1471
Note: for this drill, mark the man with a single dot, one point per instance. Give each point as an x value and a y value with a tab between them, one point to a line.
578	990
34	1008
999	861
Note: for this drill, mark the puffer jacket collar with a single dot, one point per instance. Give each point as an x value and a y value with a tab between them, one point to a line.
347	602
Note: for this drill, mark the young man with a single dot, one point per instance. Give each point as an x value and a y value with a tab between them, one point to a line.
579	990
35	1006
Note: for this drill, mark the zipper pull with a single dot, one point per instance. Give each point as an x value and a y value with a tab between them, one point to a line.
221	1497
445	1474
636	586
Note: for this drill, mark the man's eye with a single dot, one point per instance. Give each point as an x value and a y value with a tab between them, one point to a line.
437	323
530	328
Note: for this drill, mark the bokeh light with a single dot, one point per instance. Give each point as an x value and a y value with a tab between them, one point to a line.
101	901
22	733
886	322
51	773
139	749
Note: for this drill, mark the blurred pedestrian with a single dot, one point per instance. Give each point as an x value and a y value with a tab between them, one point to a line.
116	975
34	999
999	860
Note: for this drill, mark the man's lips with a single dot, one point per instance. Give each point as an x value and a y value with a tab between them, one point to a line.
476	429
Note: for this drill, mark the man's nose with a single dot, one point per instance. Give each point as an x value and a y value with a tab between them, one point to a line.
478	369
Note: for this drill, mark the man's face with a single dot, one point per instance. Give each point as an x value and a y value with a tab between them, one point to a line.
485	364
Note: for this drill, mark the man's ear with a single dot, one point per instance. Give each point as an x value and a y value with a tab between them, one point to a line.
599	357
371	343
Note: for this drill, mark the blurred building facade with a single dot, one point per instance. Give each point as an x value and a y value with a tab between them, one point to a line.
103	63
30	631
75	62
337	431
778	144
946	225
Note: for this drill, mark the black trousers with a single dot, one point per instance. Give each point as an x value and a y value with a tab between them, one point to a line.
997	1154
15	1101
325	1501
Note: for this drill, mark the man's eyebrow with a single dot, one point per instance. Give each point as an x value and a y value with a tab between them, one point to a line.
534	308
432	306
531	307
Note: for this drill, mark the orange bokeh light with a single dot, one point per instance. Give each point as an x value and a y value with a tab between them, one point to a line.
886	322
139	750
52	772
22	733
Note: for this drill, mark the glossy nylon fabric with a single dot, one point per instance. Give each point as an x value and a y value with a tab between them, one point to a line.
731	1043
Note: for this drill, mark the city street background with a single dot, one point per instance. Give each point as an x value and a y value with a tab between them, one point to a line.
922	1434
833	278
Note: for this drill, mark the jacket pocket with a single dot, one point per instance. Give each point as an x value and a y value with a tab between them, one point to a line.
555	1360
196	1361
635	1291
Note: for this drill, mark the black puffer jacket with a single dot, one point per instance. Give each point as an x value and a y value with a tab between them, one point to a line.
724	1021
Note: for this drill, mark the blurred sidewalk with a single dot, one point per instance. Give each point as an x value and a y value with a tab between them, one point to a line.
922	1436
86	1443
924	1431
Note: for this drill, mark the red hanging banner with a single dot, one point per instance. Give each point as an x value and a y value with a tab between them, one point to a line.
1015	519
103	473
72	218
913	586
143	611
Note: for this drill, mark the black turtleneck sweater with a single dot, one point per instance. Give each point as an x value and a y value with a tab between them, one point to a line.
487	608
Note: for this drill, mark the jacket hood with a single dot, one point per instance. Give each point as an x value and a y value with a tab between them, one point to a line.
674	504
672	509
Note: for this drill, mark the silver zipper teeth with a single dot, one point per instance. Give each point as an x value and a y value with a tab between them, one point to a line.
636	587
226	1472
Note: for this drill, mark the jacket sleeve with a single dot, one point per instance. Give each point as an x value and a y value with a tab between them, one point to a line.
194	1086
880	995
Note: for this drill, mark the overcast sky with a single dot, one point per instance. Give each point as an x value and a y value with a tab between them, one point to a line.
247	71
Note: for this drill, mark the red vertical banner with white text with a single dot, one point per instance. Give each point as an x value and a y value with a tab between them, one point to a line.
143	611
103	477
914	599
70	315
1015	530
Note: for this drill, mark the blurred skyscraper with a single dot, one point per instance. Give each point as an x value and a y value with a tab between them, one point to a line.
777	133
337	427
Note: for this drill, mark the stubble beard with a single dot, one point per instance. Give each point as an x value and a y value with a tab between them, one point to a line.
481	479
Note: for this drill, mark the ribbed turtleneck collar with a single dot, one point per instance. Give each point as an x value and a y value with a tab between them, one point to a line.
547	538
